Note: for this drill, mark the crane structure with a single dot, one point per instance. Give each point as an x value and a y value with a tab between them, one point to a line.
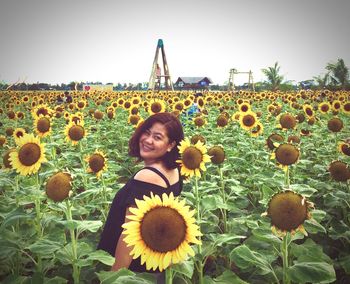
156	74
231	84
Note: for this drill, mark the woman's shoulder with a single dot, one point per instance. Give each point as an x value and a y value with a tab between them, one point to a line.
150	176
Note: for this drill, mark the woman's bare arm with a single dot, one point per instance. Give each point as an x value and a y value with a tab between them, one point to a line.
122	252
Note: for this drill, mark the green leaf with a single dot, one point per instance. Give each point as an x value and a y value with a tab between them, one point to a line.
44	247
228	277
312	272
309	251
345	263
312	226
246	258
16	215
186	268
101	256
109	277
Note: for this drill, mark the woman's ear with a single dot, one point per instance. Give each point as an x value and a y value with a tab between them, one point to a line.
171	146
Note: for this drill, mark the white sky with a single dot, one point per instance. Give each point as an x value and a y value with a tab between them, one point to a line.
115	41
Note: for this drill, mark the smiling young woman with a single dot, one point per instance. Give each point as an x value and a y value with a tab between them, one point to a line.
155	143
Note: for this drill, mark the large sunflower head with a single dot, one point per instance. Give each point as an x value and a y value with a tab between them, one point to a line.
42	126
156	106
286	154
339	171
29	156
74	133
335	124
97	163
288	212
159	242
58	186
287	121
193	158
217	154
222	120
248	120
324	107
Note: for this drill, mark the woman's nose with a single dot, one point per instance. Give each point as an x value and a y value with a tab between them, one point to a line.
149	139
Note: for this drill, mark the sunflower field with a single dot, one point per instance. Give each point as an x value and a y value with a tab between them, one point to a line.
266	194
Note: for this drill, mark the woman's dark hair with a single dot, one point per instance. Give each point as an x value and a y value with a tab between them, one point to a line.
174	132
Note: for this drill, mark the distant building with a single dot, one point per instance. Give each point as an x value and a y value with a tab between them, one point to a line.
193	82
95	87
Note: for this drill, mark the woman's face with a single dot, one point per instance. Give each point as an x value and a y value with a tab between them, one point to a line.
154	143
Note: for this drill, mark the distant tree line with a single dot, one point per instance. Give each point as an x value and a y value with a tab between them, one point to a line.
335	78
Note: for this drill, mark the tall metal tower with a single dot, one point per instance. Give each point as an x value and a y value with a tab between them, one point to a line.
231	84
156	74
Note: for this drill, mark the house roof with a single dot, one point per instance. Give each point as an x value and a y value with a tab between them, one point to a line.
193	80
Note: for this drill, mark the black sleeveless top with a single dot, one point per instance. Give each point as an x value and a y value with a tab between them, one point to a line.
124	198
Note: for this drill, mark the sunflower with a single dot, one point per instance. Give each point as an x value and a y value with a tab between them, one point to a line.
3	140
257	130
199	121
179	106
74	133
286	154
77	117
81	104
222	120
346	107
156	106
58	186
98	115
97	163
339	171
217	154
324	107
193	158
42	125
244	107
197	137
335	124
248	120
42	109
293	139
29	156
6	158
288	212
159	242
308	110
134	120
287	121
18	133
344	148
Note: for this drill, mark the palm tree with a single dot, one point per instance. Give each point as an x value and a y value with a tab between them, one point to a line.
339	73
273	77
322	81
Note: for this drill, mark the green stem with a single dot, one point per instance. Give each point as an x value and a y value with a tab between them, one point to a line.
168	276
222	186
284	250
286	179
38	228
76	271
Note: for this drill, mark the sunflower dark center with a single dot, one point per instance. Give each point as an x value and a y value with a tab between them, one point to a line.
127	105
163	229
96	162
309	111
156	107
179	106
346	107
244	108
287	121
335	124
287	211
248	120
81	104
29	154
287	154
222	121
42	111
199	121
76	132
43	125
218	155
98	114
58	186
19	134
192	158
339	171
134	119
345	149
